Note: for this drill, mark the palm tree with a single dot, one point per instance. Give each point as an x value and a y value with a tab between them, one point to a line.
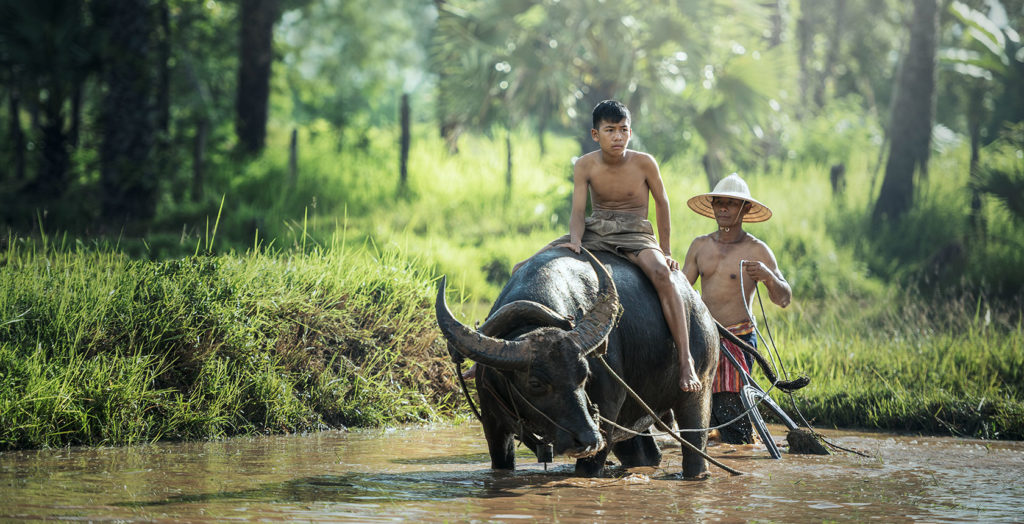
554	61
255	57
912	113
46	55
127	174
988	56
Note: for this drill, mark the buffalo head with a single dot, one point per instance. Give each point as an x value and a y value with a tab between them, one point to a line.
538	365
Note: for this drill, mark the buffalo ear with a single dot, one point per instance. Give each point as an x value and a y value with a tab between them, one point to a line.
524	313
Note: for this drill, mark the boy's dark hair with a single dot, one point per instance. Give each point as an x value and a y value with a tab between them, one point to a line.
610	111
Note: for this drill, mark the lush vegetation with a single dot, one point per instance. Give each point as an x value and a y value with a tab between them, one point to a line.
198	243
331	323
98	348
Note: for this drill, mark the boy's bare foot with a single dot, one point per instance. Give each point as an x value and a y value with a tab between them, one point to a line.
688	380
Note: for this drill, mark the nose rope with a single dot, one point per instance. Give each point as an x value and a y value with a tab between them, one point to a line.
513	412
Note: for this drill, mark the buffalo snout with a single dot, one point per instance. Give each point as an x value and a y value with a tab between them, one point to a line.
585	445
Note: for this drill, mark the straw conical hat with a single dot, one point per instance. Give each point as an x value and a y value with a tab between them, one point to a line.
731	186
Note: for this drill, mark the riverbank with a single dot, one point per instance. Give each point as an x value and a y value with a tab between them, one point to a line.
100	349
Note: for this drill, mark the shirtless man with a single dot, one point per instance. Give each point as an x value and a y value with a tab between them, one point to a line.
620	182
722	259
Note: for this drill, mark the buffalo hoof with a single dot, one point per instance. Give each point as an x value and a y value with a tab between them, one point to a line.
700	476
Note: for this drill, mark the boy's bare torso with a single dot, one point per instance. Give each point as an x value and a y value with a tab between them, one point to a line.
718	265
620	186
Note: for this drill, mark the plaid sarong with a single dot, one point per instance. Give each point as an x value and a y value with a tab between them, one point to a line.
727	377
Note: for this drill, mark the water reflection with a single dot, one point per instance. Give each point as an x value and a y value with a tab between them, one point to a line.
443	474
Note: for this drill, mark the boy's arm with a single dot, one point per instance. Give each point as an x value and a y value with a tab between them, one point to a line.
577	222
768	272
662	212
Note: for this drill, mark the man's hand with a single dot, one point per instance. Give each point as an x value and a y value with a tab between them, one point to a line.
673	264
574	247
756	271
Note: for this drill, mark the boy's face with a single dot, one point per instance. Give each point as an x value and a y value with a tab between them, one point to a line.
613	137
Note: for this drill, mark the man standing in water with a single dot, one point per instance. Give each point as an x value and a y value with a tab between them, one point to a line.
621	183
722	259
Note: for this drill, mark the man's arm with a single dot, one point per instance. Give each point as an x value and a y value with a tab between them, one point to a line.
662	212
778	289
690	263
577	222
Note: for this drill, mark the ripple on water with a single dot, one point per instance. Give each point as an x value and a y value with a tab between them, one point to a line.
443	473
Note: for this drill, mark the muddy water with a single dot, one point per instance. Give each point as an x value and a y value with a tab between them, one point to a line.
442	474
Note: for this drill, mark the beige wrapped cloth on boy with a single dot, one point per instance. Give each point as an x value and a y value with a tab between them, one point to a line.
616	232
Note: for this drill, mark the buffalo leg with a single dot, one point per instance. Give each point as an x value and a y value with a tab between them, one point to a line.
638	451
689	415
593	466
501	445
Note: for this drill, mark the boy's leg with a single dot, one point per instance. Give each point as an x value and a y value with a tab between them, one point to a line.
653	264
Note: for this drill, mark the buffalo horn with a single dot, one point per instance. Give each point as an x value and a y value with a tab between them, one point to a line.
593	329
494	352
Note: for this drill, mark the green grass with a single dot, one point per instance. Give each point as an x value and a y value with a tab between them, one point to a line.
911	363
250	311
98	348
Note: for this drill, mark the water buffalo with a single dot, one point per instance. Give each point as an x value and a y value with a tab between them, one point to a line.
537	376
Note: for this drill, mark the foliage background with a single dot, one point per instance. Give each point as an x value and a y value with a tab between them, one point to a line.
923	307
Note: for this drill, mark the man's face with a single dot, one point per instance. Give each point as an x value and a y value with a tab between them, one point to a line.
729	211
613	137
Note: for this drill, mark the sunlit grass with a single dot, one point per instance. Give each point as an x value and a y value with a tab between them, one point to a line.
96	348
279	304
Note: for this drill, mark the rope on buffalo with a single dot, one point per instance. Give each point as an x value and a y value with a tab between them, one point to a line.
661	425
742	414
465	390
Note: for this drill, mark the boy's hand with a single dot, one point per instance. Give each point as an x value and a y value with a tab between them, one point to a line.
673	264
574	247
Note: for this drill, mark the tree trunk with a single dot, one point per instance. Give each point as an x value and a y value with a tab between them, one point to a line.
126	153
832	55
163	85
199	158
542	126
975	110
16	134
76	115
805	48
293	159
52	180
508	164
403	160
255	57
777	19
912	112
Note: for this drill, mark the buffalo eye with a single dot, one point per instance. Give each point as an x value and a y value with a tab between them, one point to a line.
537	387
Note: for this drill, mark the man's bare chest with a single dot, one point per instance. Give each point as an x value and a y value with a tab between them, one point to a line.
721	263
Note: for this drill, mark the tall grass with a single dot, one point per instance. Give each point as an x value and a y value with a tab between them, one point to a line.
900	361
97	348
177	335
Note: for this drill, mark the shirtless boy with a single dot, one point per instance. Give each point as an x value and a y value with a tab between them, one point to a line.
722	259
620	182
